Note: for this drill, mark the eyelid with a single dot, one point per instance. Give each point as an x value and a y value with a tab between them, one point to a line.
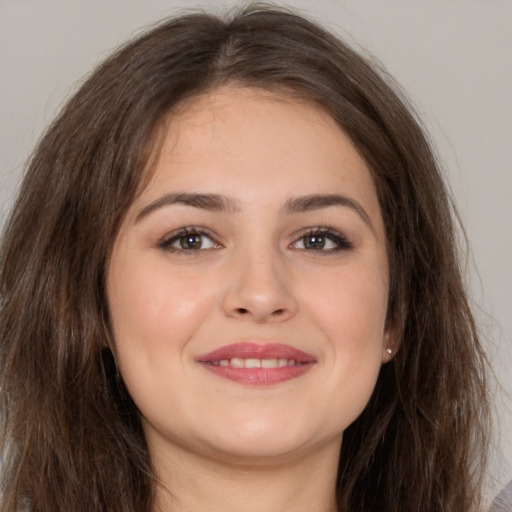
342	242
165	243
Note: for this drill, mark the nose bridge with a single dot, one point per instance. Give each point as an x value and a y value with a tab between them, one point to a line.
260	286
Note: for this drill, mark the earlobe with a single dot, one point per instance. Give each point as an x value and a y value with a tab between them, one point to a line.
387	355
389	346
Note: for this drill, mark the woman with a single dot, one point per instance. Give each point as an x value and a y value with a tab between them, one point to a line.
230	282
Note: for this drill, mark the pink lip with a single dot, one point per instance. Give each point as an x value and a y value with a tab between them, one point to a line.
257	351
259	376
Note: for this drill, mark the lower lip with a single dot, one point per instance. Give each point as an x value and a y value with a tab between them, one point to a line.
259	376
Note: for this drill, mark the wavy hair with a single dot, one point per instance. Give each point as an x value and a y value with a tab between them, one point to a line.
71	438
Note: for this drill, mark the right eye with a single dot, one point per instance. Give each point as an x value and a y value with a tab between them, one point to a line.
188	240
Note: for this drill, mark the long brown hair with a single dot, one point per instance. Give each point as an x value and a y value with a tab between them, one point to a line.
71	437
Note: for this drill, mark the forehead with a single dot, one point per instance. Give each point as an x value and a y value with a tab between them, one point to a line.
233	140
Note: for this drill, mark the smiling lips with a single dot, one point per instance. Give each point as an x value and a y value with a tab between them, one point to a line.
252	363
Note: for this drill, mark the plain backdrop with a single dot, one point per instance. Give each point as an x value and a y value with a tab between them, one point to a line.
453	57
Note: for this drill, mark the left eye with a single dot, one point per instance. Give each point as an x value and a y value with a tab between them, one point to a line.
325	241
315	242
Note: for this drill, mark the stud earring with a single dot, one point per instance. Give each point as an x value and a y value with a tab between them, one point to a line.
389	351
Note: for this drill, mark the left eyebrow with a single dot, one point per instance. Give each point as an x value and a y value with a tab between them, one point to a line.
319	201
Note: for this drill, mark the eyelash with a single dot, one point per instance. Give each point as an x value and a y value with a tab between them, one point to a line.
327	233
342	243
167	242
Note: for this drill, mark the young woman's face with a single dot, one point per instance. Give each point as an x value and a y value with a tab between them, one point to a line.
249	281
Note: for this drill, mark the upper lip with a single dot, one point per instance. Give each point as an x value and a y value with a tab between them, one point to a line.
246	350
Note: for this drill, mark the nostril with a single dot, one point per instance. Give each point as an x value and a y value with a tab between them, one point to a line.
278	312
242	311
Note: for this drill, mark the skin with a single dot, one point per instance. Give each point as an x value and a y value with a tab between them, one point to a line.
220	444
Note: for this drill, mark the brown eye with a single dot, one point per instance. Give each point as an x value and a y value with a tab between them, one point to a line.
188	241
191	242
322	240
314	242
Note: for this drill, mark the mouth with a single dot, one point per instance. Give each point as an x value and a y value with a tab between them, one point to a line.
259	364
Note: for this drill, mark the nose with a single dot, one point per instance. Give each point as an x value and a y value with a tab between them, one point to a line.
260	288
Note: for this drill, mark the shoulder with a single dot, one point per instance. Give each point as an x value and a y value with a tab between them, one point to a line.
503	501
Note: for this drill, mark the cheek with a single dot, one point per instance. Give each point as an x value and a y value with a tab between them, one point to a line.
350	310
351	314
154	310
351	303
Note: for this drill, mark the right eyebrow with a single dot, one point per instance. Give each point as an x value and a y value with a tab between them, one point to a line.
210	202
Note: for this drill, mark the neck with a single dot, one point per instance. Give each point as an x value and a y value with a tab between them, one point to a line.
192	483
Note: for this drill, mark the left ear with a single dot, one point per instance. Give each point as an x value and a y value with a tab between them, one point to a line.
390	345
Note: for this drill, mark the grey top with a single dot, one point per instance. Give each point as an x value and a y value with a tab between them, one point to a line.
503	502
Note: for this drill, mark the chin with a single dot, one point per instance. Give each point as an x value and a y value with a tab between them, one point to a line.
265	441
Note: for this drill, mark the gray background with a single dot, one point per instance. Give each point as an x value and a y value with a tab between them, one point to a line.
453	57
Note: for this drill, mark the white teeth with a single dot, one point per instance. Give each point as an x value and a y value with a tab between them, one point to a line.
238	362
